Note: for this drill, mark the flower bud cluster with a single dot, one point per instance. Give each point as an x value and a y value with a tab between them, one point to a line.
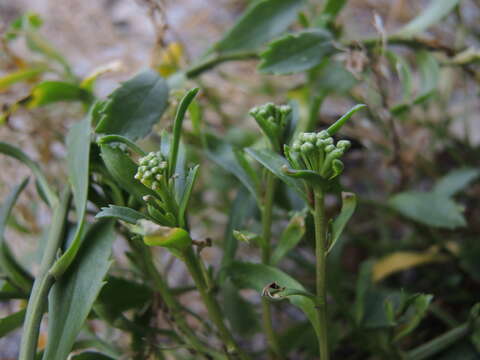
318	152
273	120
153	171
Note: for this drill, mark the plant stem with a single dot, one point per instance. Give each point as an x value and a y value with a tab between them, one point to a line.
172	303
214	311
321	270
267	210
216	59
44	281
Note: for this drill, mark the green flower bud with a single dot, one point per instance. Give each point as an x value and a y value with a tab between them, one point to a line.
273	120
344	144
329	148
151	170
307	148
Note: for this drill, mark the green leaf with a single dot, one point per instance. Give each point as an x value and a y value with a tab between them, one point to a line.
108	139
435	11
298	52
455	181
290	237
414	313
262	21
11	322
78	161
240	313
122	213
119	295
187	192
133	108
241	209
333	7
48	92
44	187
349	203
73	295
123	170
429	76
364	282
257	276
404	74
20	75
337	125
275	164
177	127
429	208
90	355
12	269
223	154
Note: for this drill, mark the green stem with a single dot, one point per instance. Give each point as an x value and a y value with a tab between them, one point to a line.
436	345
321	270
172	304
267	210
214	311
216	59
44	281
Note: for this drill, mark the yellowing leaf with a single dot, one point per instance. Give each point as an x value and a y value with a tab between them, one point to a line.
404	260
170	59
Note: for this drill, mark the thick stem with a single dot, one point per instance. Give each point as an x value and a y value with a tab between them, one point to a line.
267	210
213	308
44	281
218	59
173	305
321	270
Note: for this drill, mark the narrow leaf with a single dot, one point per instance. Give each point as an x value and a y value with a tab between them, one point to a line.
78	160
187	192
133	108
108	139
337	125
11	322
295	53
275	164
290	237
429	75
12	269
20	75
262	21
122	213
48	92
455	181
435	11
18	154
349	203
177	127
73	295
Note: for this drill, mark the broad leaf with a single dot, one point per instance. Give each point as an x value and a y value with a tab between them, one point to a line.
429	75
416	309
297	52
12	269
290	237
257	276
349	203
49	92
121	213
429	208
435	11
44	187
73	295
455	181
262	21
240	313
11	322
133	108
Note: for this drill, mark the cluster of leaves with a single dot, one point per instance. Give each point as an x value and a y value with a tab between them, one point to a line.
400	309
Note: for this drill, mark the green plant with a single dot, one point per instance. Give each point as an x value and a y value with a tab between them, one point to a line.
282	189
